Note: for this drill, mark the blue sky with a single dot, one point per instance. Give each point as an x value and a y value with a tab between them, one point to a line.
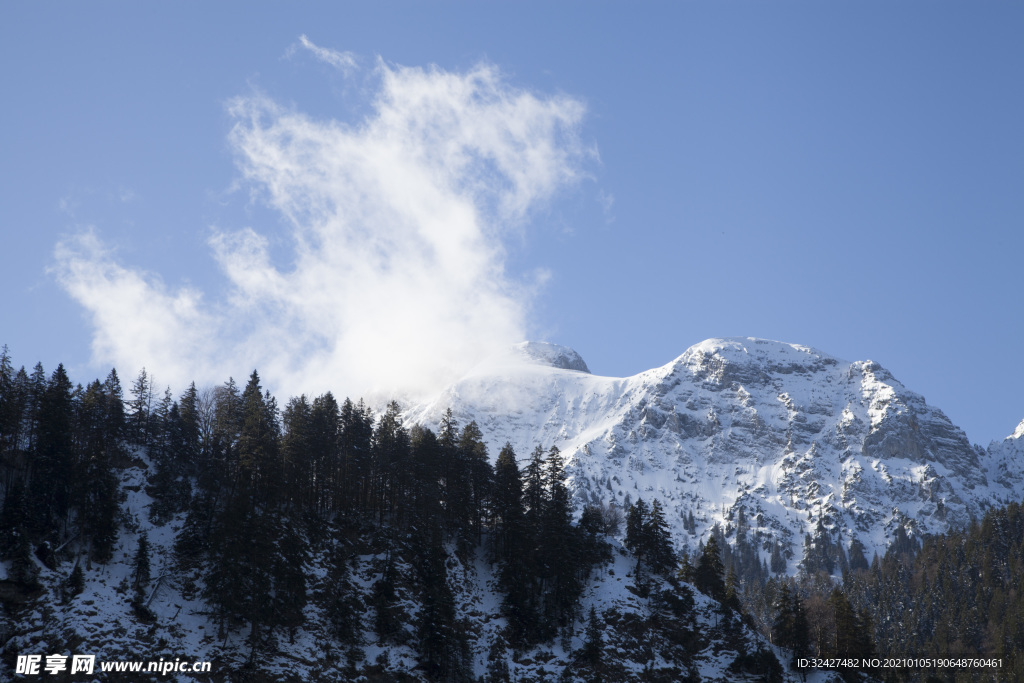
848	176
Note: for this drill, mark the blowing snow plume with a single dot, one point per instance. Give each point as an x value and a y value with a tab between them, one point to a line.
397	281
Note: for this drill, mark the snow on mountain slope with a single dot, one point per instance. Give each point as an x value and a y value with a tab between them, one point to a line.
1005	458
789	434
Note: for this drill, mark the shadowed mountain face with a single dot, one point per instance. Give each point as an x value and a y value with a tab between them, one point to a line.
801	442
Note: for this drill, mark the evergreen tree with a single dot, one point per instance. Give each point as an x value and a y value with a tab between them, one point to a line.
299	458
52	478
512	548
442	644
507	510
732	597
846	633
593	644
140	567
709	570
288	577
636	528
593	548
558	557
355	452
139	408
341	604
534	494
8	417
391	459
801	633
778	562
473	457
658	540
260	466
386	622
116	425
324	481
189	442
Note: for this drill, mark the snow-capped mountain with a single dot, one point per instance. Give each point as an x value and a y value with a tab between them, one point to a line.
797	439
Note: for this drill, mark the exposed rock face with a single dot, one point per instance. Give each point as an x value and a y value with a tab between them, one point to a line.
797	439
551	354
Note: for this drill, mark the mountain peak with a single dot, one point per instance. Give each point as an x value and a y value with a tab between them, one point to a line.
554	355
749	360
753	349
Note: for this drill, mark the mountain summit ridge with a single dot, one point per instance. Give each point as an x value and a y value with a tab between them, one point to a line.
802	442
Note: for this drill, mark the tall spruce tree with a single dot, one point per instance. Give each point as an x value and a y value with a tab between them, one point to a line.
708	574
658	540
512	548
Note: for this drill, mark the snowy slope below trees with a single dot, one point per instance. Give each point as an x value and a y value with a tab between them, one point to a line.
178	623
802	443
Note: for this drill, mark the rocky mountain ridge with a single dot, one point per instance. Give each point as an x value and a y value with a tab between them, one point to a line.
801	442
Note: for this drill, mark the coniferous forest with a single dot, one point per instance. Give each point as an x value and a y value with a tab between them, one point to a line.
325	522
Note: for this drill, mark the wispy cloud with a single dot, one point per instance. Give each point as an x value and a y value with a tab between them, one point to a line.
606	201
346	62
397	223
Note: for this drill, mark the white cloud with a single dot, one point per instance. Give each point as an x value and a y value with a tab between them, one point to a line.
397	221
344	61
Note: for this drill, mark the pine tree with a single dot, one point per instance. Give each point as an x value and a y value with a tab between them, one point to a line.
386	622
658	540
95	483
593	644
558	557
512	548
858	562
473	455
189	429
534	494
709	570
116	425
288	577
783	631
13	403
298	455
801	633
778	565
139	408
140	567
355	452
846	635
53	473
391	459
732	597
325	462
593	549
507	506
259	459
636	525
342	607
